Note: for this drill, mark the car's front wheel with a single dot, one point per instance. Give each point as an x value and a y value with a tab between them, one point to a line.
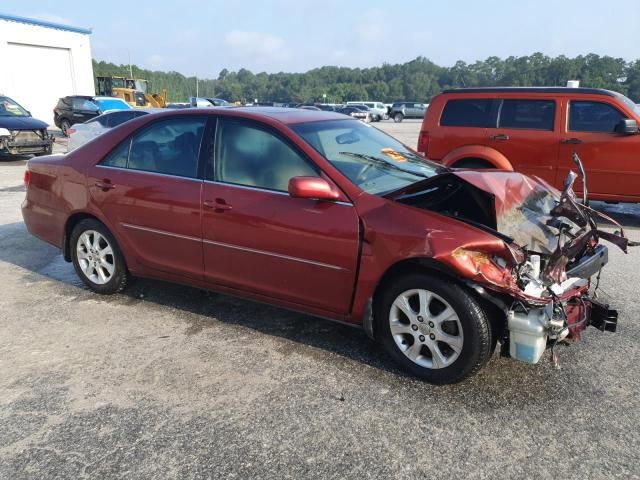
398	117
435	330
97	258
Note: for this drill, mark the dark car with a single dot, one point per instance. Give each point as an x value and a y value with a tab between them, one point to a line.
401	110
356	111
20	133
80	108
316	212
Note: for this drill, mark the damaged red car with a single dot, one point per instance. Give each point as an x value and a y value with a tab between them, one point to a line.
328	216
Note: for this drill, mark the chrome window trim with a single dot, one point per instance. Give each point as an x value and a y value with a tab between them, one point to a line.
193	179
272	254
161	232
266	190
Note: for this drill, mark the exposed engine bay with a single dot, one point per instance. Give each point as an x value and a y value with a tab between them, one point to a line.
542	279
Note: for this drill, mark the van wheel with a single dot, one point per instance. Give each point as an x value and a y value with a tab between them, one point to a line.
435	330
398	117
97	258
473	163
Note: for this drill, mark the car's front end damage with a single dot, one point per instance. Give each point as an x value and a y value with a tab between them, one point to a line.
540	275
25	142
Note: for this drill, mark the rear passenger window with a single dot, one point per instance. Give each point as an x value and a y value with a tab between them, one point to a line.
467	113
170	147
593	117
118	157
527	114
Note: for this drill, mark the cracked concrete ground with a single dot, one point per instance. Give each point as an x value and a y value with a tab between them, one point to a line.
165	381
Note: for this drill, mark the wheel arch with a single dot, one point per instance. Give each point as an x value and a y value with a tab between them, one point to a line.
479	152
73	220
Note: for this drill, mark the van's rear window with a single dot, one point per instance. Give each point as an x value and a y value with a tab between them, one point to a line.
467	113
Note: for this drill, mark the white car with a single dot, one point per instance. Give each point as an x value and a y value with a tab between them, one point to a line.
81	133
377	109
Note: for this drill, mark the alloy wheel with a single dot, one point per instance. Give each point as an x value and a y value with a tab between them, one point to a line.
426	329
95	257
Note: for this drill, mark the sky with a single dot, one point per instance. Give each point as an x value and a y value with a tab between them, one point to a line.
203	37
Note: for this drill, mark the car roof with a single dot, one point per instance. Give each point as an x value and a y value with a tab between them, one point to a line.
554	90
287	116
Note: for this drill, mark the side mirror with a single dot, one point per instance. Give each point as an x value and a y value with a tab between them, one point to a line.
627	126
316	188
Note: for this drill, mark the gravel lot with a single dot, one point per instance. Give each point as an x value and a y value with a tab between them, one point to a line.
165	381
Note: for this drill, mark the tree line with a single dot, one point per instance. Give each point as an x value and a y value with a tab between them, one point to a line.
417	80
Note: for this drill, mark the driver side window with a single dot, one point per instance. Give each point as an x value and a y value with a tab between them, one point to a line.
248	155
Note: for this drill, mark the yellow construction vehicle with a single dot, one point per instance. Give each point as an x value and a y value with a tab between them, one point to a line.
135	91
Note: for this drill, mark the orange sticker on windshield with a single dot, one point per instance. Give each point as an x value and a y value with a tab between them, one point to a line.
398	157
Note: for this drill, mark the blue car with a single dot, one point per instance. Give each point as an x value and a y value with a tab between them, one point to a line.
20	133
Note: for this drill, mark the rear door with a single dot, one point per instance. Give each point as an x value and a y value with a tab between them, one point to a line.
83	110
259	239
526	135
149	190
464	121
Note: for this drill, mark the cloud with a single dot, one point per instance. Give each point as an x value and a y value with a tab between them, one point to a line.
156	61
372	26
252	44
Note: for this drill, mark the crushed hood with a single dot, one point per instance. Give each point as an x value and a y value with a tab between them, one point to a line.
21	123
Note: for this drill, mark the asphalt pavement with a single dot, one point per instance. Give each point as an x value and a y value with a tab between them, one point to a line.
166	381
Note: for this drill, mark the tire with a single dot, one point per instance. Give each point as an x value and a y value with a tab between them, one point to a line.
398	117
65	125
461	339
473	163
105	273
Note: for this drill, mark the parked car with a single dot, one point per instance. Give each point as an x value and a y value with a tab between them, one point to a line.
401	110
208	102
356	111
310	107
82	133
78	109
20	133
317	212
535	131
377	109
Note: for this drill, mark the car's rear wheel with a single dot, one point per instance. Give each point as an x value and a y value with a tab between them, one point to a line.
65	125
435	330
97	258
398	117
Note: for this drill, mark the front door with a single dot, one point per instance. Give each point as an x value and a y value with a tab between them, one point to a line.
611	160
526	136
148	188
258	238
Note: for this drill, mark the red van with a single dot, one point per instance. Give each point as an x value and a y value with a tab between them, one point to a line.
535	131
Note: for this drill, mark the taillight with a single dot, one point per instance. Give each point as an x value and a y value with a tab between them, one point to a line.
27	178
70	131
423	143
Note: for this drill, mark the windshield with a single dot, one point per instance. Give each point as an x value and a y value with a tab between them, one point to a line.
112	104
371	159
9	108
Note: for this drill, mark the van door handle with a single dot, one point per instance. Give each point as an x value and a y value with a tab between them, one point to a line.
572	141
499	137
105	184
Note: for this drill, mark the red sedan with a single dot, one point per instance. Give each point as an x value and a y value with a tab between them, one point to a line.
323	214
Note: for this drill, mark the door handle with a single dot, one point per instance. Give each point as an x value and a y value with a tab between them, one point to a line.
572	141
499	137
219	205
105	184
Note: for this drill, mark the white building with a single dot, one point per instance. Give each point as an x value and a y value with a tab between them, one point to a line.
43	61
